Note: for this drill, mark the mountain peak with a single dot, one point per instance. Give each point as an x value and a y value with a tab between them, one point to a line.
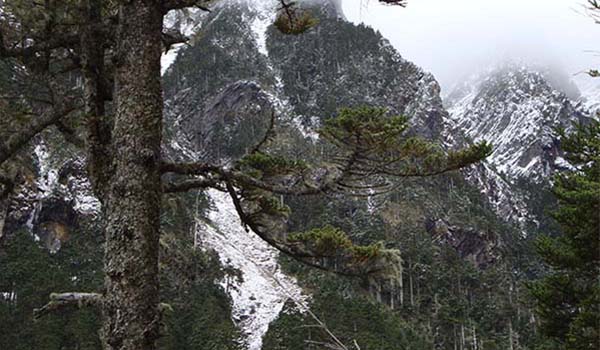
516	108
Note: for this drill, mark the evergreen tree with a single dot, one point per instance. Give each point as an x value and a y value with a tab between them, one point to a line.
568	297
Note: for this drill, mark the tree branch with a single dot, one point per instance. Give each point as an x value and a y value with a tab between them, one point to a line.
325	345
592	9
402	3
18	140
341	264
169	5
59	301
187	168
191	184
239	177
97	89
70	41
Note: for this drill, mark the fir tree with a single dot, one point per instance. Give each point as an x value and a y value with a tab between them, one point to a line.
568	297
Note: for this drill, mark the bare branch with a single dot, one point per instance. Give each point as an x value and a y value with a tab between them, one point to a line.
59	301
402	3
18	140
325	345
187	168
593	10
66	41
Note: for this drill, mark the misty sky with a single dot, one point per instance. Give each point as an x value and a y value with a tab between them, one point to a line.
450	38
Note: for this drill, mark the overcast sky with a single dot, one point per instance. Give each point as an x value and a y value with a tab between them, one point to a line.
452	37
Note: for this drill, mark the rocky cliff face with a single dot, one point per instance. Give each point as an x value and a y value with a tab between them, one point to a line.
52	199
517	109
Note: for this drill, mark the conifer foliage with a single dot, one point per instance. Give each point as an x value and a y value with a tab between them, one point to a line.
569	297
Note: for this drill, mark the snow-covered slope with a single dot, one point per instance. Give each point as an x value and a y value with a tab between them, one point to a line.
516	110
263	290
590	92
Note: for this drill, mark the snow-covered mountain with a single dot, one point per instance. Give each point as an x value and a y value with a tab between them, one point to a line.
220	90
517	110
590	92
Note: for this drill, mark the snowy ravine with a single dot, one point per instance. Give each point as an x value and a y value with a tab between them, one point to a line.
259	298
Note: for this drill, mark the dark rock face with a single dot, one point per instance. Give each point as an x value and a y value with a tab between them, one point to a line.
481	248
53	223
223	53
51	202
234	122
49	219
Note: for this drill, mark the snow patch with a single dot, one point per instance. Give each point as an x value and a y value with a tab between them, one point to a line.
264	17
590	92
187	22
260	296
85	201
48	176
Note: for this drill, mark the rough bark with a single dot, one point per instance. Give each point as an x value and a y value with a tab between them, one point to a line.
131	304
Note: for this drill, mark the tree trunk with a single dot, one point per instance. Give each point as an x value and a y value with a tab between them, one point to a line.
130	310
4	203
410	284
401	280
93	69
511	341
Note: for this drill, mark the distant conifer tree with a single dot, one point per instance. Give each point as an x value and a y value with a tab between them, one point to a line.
569	297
